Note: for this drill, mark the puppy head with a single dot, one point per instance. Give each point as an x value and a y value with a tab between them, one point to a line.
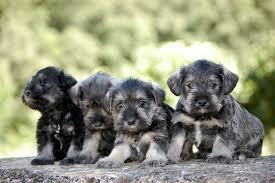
133	105
202	87
89	95
47	88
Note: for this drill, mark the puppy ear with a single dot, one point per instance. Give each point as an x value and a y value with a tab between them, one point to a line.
159	94
107	101
230	81
66	80
73	92
175	81
80	93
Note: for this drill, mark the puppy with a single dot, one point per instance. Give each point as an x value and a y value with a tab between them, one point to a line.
60	129
209	117
140	121
89	95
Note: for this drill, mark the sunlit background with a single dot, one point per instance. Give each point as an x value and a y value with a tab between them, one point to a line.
147	39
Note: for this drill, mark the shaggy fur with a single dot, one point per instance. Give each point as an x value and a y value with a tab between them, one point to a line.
60	130
209	117
90	96
140	121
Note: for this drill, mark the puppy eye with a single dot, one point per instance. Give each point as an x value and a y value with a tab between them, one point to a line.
214	85
141	103
95	104
44	82
189	85
120	105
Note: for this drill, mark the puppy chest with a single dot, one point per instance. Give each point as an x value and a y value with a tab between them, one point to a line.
61	129
204	137
197	135
61	124
132	139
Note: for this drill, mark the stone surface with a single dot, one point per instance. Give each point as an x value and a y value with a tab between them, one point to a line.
252	170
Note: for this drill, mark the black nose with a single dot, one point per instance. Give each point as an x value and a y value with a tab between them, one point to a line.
28	93
131	121
202	103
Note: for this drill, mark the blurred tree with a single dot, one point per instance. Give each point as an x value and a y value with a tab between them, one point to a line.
147	39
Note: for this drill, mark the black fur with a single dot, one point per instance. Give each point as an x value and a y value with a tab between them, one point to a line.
61	124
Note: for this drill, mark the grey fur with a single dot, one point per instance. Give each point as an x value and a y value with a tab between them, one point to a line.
209	117
89	95
140	120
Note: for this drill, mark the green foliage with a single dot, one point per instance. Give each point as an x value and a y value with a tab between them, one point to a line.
145	39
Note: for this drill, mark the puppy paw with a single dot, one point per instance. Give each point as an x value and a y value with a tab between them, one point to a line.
219	159
172	161
107	164
239	156
199	155
85	159
67	161
152	163
39	161
243	154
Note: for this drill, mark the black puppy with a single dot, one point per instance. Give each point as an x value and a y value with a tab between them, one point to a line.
60	130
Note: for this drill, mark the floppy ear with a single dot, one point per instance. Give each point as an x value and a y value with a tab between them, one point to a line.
159	94
73	94
107	101
175	81
66	80
230	80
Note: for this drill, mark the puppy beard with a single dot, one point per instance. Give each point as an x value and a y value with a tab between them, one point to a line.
98	125
142	122
36	104
96	120
189	105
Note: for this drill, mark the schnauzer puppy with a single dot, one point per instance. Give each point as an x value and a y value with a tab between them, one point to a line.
90	95
140	121
60	130
209	117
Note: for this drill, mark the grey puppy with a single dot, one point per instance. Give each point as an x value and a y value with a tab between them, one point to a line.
89	95
140	121
209	117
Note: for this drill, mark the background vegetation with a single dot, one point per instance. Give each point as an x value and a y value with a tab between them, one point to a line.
145	39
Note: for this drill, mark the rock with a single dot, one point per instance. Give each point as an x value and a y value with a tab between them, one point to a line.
251	170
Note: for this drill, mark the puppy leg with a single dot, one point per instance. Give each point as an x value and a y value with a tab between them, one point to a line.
221	153
176	146
89	152
45	150
253	149
117	157
187	151
155	157
156	153
74	150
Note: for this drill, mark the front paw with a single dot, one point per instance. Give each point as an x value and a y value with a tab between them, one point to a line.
42	161
67	161
107	164
219	159
172	161
152	163
84	159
